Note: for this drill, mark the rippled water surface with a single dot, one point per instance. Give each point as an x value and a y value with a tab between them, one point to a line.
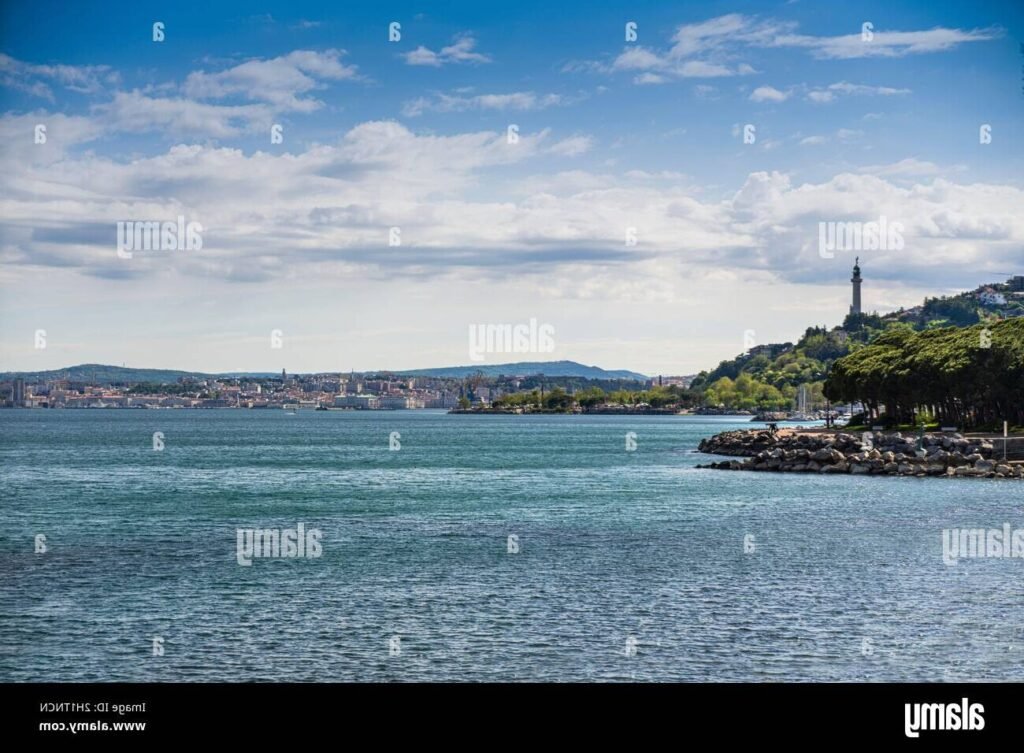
617	550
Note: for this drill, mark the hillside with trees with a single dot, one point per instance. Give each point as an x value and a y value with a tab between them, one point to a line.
768	377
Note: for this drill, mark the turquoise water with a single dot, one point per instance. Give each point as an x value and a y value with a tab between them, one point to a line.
617	551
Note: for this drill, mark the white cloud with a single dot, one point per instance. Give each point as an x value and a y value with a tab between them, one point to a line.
637	58
886	43
664	66
259	90
736	30
910	167
326	211
572	146
944	223
692	39
460	51
704	69
769	94
278	81
832	91
441	102
709	49
843	135
650	78
63	133
136	112
885	91
35	79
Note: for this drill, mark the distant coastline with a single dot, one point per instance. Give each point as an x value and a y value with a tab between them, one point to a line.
603	411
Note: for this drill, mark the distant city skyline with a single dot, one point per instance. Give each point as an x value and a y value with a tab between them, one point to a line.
657	202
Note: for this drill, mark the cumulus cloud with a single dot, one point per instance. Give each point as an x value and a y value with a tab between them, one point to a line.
329	208
136	112
943	222
240	99
279	81
768	94
459	51
658	67
63	133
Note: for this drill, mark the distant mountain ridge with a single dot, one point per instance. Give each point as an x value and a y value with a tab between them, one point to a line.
95	373
98	373
528	368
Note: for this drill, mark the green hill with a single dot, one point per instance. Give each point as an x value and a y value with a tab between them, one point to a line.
769	376
95	373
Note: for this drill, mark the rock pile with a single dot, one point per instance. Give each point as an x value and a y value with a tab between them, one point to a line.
892	454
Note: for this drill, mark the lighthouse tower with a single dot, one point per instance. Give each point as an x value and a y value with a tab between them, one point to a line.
856	280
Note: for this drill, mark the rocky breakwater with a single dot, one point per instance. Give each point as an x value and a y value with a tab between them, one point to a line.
889	454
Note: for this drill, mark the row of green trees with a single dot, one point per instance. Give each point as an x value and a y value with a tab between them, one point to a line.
558	399
748	393
968	377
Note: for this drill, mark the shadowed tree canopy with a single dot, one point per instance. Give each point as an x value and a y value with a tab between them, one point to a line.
968	377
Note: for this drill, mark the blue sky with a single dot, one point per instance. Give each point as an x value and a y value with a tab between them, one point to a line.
613	135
